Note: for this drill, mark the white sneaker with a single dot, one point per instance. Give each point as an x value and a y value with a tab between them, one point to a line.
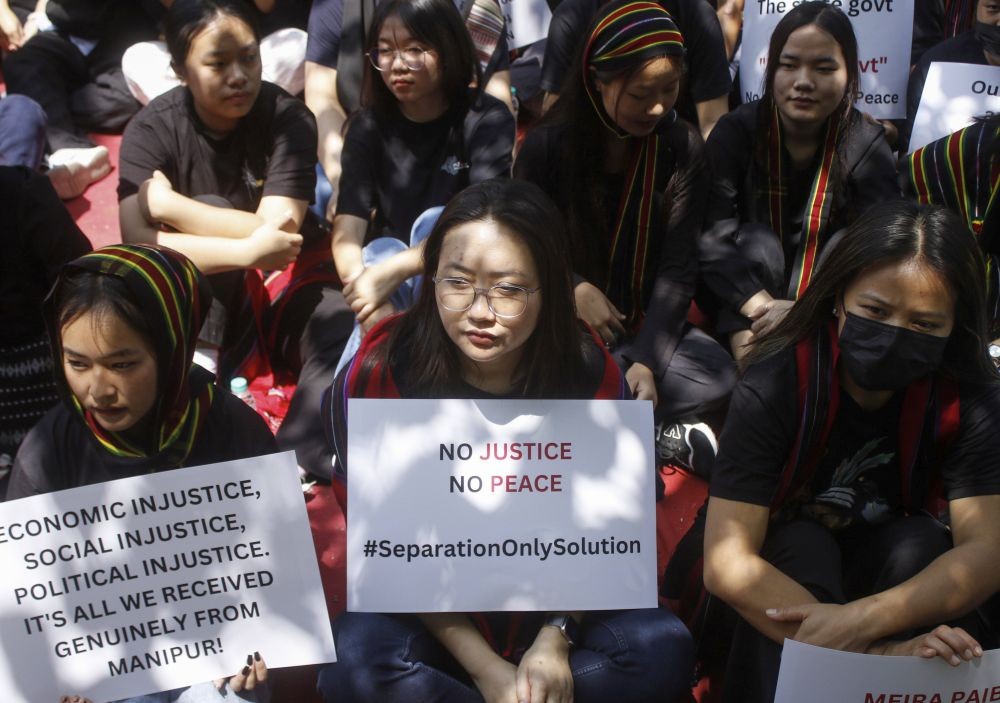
72	170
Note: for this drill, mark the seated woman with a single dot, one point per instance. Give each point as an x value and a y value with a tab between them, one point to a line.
123	321
495	320
630	178
788	172
868	404
961	172
423	136
222	169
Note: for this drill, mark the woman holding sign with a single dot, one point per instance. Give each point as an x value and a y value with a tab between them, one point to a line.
630	177
789	171
123	322
865	409
495	320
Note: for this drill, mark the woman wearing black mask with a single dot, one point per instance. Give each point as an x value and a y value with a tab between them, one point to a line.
980	46
865	409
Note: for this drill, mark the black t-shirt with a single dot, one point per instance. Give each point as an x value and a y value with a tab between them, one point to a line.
964	48
39	236
399	168
707	66
672	263
61	452
735	195
857	479
271	152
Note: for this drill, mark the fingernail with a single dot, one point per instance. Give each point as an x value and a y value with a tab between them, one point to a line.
246	670
256	656
955	661
979	651
771	611
968	654
249	660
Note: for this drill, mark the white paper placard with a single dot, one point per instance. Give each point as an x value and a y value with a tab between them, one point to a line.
527	21
156	582
884	41
433	526
821	675
953	94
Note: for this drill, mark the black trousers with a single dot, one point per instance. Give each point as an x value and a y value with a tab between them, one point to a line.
835	568
78	93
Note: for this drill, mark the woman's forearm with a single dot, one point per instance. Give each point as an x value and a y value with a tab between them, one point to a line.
185	214
457	633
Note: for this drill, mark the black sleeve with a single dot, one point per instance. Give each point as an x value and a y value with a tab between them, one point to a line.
928	27
359	163
759	432
566	33
325	22
49	232
729	276
971	467
143	150
248	435
874	178
40	465
291	165
677	271
489	141
708	65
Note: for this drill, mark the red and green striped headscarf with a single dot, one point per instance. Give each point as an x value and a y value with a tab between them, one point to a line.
627	34
174	297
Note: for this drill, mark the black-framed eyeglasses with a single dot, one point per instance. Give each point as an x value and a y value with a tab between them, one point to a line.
503	299
413	58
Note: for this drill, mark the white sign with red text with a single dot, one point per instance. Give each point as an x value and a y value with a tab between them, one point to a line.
882	28
821	675
500	505
953	94
157	582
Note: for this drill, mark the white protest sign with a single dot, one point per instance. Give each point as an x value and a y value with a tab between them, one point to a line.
953	94
820	675
463	505
160	581
883	31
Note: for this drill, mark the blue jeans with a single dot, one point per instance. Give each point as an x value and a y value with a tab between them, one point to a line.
625	656
22	132
381	249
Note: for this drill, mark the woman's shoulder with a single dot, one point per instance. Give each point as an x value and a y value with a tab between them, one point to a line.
167	112
232	430
42	463
737	125
488	110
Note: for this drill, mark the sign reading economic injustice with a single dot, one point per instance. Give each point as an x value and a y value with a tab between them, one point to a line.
954	93
491	505
883	50
820	675
160	581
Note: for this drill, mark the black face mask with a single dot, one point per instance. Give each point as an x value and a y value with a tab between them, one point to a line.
989	36
881	357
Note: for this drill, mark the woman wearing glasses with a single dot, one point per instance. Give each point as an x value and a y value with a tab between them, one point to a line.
495	320
423	136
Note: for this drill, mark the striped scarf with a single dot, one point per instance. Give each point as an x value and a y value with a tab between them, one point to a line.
175	297
486	25
818	204
627	34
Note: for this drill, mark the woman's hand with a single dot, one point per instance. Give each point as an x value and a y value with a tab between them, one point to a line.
642	383
594	308
380	313
767	316
74	699
953	644
544	675
251	676
827	625
370	289
154	194
269	247
498	681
